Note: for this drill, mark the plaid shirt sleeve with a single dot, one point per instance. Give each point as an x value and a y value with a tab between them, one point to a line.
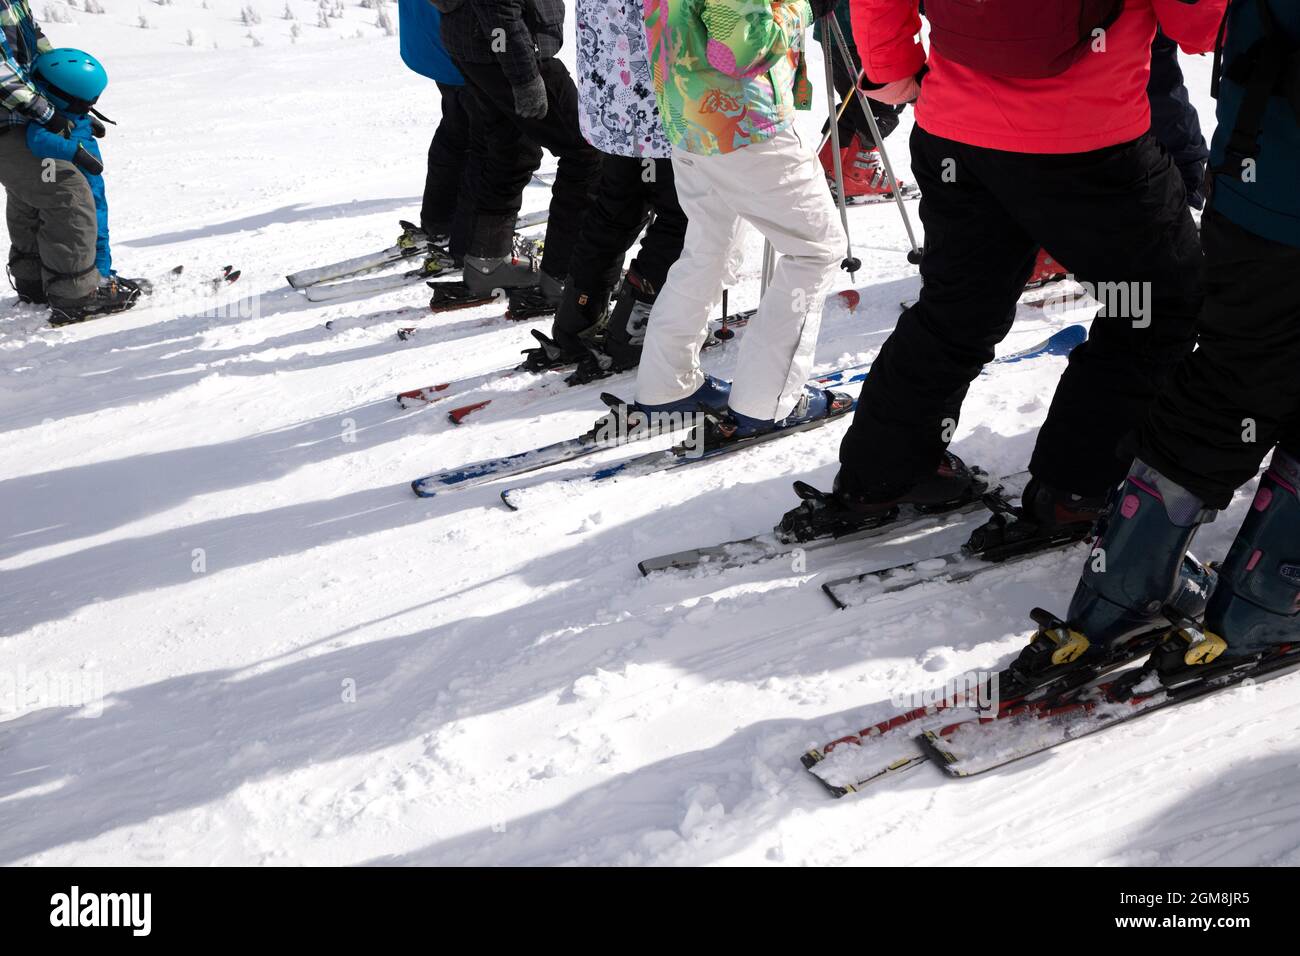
502	22
18	97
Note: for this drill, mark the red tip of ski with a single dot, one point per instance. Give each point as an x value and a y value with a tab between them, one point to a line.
422	394
458	415
850	298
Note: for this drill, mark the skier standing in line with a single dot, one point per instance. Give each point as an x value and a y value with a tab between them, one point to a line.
456	151
1225	406
864	172
1005	167
52	220
728	78
523	98
619	117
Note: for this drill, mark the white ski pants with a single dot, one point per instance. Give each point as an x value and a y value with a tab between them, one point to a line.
778	186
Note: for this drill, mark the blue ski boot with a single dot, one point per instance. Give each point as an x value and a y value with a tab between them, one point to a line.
1139	565
1255	608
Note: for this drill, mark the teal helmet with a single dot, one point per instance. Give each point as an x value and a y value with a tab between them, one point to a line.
73	76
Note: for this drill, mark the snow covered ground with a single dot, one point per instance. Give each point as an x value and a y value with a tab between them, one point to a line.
205	517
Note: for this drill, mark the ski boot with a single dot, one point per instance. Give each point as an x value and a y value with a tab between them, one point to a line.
108	299
618	348
814	403
542	298
711	396
1047	517
639	419
546	355
497	259
1255	607
30	291
1046	270
1138	565
839	512
142	286
863	170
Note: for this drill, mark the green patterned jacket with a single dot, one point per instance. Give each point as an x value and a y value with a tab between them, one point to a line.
727	73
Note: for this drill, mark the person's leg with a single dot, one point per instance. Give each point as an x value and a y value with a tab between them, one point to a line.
508	162
476	150
975	263
1118	218
778	188
679	322
577	172
448	153
24	259
1238	394
612	223
1174	120
661	246
65	213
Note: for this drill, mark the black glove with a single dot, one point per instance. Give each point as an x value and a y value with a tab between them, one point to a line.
59	125
85	160
530	100
97	129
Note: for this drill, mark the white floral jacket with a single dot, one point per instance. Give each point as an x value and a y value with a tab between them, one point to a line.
616	95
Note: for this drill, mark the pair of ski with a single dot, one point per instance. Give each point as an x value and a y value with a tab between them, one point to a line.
602	438
719	334
966	737
321	283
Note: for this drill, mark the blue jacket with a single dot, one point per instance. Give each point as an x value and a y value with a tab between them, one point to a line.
419	28
1268	206
47	145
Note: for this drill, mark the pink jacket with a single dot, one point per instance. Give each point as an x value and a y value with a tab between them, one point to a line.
1099	101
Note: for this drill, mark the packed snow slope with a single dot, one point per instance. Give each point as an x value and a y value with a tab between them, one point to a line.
206	514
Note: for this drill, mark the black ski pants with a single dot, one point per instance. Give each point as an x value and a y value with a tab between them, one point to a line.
1116	215
631	191
512	156
1234	398
455	161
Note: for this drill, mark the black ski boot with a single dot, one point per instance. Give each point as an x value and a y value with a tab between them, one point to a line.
1138	565
1047	517
840	512
1255	607
30	291
540	299
618	347
108	299
546	355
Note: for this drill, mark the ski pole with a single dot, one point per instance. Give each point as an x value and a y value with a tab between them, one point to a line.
914	256
851	264
844	105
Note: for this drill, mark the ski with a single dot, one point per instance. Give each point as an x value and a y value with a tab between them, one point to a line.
1060	343
594	440
892	746
721	332
909	191
412	242
1034	728
951	568
905	520
436	264
1033	296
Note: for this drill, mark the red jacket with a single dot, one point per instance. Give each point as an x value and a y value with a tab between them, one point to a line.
1099	101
